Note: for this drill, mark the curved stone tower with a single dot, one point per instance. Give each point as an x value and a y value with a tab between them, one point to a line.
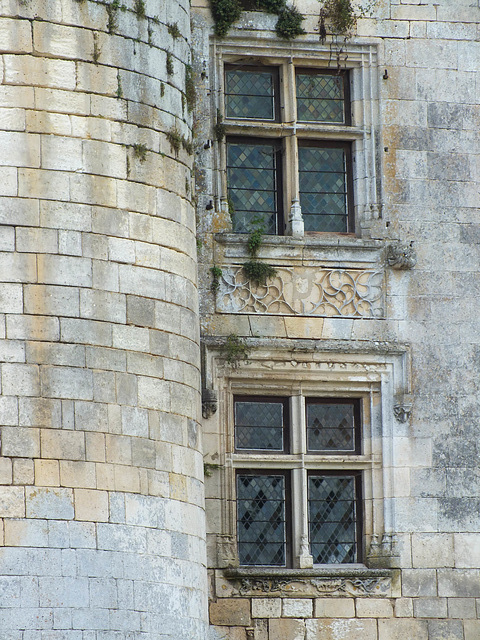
102	503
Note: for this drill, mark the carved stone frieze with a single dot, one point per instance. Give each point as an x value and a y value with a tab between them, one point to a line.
316	586
305	291
401	256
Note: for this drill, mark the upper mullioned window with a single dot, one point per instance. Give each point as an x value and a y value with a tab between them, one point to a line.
282	145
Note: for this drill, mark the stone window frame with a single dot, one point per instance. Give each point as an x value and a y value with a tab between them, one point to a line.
362	132
379	375
299	464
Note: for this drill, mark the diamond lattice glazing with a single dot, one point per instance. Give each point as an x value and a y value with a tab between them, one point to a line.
332	519
261	519
330	427
249	95
259	426
320	98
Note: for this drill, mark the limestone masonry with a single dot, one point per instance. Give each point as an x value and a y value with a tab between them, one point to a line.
239	320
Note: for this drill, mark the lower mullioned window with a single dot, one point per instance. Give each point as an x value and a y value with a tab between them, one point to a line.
276	506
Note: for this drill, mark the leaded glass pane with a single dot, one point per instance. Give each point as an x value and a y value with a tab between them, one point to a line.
259	426
332	519
330	427
261	519
320	98
252	186
249	94
323	188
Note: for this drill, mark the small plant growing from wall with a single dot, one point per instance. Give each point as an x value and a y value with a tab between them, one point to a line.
175	139
234	349
226	12
190	93
209	468
173	30
140	152
256	271
289	23
216	275
342	16
219	128
112	22
119	92
139	8
169	63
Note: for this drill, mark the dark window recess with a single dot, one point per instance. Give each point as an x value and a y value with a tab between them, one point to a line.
253	178
250	94
334	519
322	97
324	178
260	425
333	426
261	519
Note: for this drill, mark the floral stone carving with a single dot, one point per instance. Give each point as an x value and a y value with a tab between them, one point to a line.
401	256
305	291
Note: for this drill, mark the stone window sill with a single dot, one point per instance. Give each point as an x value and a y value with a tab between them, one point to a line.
322	249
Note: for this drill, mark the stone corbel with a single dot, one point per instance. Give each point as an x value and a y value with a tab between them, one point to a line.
402	412
401	256
402	408
209	403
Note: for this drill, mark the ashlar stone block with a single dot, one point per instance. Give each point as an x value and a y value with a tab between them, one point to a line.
266	607
286	629
445	630
461	608
231	612
419	582
472	629
334	608
47	473
54	503
432	550
430	607
346	629
91	505
374	608
297	607
23	471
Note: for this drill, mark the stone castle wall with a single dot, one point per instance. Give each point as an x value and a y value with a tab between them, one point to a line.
425	118
101	505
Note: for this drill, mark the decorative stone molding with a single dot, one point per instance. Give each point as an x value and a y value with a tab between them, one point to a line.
304	291
401	256
310	583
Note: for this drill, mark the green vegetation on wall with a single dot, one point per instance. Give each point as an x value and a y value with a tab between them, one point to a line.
226	12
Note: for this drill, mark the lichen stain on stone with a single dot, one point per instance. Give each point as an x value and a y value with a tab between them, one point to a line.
221	222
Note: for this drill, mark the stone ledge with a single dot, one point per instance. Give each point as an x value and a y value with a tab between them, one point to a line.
336	250
352	581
